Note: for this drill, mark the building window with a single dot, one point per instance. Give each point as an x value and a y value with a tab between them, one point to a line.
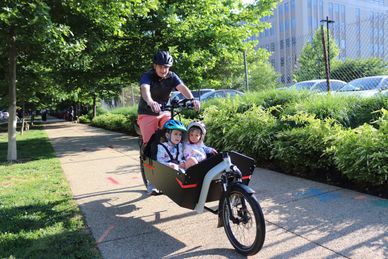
288	42
282	44
282	61
272	46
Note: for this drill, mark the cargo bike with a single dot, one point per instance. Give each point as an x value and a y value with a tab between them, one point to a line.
223	177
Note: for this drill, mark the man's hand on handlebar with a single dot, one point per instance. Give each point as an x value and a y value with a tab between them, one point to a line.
155	106
197	105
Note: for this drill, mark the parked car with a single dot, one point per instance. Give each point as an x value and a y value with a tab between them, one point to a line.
221	93
365	86
4	115
198	94
318	85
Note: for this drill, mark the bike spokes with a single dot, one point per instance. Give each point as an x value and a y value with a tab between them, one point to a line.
243	222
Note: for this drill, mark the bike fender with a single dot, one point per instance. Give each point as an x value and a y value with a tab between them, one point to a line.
244	187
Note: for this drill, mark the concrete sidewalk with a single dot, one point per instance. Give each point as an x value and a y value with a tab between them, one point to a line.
304	219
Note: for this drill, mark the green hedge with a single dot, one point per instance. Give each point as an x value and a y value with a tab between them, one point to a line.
362	153
302	133
114	122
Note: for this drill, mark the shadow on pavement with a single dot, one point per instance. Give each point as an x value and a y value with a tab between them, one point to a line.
334	218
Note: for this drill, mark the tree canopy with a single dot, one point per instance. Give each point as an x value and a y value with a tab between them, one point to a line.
83	50
311	60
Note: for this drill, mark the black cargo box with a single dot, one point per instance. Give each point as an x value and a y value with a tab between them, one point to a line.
184	189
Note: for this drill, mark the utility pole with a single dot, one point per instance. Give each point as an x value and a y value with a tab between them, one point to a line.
327	21
326	60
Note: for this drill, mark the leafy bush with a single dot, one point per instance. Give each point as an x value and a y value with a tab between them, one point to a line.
300	148
275	97
365	110
252	133
115	122
361	154
325	106
84	119
356	68
349	111
129	111
218	120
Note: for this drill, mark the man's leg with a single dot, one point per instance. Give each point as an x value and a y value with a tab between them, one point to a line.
148	124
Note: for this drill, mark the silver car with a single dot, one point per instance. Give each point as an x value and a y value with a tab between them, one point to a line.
366	86
318	85
198	94
221	93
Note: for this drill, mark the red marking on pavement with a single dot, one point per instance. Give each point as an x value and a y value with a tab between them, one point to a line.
186	186
246	177
149	166
360	197
112	180
105	234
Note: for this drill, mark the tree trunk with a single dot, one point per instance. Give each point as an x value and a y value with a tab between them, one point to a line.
94	106
12	154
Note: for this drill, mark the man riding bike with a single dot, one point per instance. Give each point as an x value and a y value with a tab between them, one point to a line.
156	85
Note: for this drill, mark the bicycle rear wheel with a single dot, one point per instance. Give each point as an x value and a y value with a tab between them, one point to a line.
141	148
245	225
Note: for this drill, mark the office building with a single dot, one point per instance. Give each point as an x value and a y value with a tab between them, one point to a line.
360	30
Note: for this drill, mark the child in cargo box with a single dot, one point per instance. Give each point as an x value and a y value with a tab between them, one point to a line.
170	153
194	149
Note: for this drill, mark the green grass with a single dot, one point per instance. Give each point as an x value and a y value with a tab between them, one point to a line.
38	217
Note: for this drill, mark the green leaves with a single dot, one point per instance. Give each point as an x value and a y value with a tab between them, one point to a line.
312	64
361	154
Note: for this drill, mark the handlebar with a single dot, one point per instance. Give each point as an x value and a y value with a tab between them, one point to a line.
175	106
184	103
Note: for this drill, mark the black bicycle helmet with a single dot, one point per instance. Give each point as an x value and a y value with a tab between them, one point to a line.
174	125
163	58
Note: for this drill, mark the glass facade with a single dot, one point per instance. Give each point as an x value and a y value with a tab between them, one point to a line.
358	30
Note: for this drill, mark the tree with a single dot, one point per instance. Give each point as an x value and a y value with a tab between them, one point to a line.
97	70
206	38
24	26
261	74
356	68
311	61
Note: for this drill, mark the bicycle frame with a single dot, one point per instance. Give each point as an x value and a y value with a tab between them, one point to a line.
214	174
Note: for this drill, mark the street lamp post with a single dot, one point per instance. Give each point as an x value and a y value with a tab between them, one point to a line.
327	21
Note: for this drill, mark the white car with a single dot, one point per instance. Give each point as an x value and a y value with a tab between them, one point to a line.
4	115
318	85
366	86
221	93
198	94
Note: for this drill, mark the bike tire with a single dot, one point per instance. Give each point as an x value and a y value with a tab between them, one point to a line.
250	219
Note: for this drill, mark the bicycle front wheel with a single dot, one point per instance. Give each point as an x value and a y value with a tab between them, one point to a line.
244	221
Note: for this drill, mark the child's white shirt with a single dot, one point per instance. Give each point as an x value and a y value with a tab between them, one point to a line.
163	156
198	151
